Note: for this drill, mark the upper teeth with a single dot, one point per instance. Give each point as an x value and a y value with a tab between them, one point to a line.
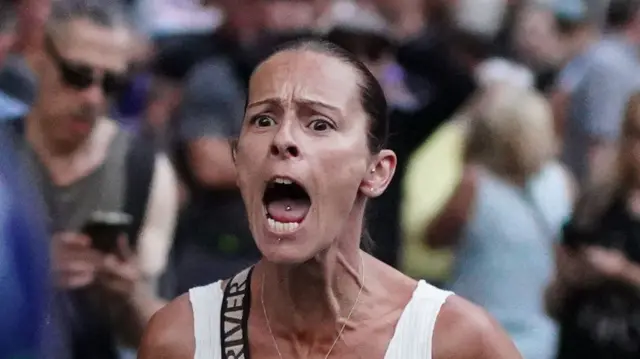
283	181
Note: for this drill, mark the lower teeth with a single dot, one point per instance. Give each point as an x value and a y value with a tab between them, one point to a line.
282	227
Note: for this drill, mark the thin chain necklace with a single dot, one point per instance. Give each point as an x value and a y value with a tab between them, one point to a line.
275	343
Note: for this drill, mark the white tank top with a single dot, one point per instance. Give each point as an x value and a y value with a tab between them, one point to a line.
412	338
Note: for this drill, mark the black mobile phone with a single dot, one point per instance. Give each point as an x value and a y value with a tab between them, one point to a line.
104	229
574	238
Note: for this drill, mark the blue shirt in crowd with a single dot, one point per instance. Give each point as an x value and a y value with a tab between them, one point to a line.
505	259
601	82
24	266
11	108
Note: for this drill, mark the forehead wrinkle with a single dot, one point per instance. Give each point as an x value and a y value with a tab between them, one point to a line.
303	76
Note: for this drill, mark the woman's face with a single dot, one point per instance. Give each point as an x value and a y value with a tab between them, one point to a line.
302	156
536	38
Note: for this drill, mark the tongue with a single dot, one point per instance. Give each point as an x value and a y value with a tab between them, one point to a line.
288	210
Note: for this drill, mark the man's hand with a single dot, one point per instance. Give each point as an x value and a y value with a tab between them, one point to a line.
129	296
74	261
119	273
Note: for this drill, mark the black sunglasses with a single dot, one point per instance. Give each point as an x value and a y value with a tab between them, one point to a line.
81	77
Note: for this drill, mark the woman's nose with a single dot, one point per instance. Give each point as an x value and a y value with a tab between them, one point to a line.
285	150
284	144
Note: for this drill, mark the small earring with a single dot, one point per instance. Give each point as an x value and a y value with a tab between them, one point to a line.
373	170
372	189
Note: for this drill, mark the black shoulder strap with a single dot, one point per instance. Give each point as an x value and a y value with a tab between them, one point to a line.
234	316
140	166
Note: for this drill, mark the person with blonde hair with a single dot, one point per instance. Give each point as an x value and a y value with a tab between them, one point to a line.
513	134
504	217
598	264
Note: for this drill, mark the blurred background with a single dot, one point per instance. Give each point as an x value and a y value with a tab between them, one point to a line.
516	124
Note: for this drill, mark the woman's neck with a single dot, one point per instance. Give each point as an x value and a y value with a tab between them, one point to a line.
316	297
65	162
516	178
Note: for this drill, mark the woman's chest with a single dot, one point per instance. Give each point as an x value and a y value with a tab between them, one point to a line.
370	339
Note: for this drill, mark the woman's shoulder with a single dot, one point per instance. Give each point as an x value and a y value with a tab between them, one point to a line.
170	332
555	177
464	330
554	171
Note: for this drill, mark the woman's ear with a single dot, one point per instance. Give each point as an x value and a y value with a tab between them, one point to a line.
233	144
379	174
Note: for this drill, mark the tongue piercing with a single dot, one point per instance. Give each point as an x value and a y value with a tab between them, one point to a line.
288	208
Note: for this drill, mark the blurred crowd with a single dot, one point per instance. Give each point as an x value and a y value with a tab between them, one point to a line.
516	124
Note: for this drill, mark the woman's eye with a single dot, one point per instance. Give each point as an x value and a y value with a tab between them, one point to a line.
263	121
320	125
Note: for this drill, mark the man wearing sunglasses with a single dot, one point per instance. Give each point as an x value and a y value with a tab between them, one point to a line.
84	163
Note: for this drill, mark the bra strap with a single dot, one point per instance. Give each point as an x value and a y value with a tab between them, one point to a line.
234	314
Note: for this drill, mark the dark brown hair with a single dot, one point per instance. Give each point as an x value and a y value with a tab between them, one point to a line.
600	193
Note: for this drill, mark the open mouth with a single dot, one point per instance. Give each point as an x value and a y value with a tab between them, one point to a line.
287	204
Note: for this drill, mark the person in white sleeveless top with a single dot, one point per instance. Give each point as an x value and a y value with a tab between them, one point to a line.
309	156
